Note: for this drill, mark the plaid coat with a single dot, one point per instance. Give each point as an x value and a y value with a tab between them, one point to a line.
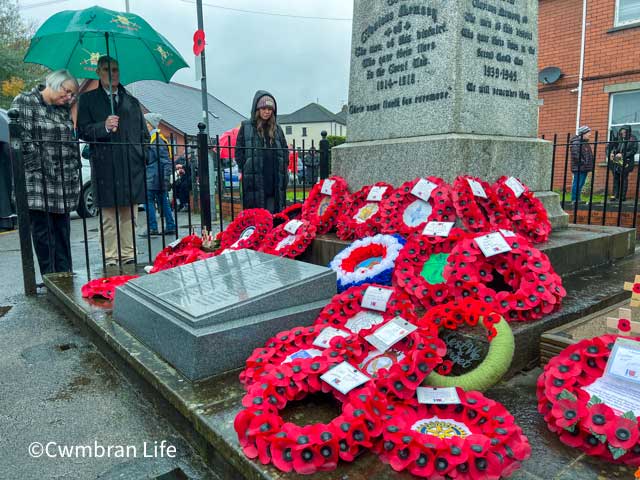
52	167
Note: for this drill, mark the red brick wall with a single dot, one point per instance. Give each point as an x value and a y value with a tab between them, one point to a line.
560	24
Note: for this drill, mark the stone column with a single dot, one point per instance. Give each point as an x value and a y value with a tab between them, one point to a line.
445	88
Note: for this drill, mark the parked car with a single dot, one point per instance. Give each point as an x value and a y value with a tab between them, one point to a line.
86	206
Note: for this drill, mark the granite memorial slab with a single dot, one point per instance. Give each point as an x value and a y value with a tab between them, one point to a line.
206	317
444	88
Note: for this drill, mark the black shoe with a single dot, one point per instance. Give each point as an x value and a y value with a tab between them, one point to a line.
150	232
129	261
170	232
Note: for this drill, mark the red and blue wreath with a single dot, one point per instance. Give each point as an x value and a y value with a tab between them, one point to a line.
404	213
369	260
248	230
521	283
361	217
476	439
284	244
323	210
420	266
581	420
526	212
478	214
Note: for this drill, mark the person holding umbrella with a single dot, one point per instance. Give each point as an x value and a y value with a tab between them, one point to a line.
118	155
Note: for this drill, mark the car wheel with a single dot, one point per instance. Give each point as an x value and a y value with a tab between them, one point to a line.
87	207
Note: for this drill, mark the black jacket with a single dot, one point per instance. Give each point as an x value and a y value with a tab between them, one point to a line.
250	157
581	155
117	171
627	147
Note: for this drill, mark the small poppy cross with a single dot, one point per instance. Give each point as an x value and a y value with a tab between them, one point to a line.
634	288
623	325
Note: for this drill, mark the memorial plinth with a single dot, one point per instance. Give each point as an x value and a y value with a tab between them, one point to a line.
444	88
206	317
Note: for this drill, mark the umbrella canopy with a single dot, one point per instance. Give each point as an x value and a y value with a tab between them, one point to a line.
76	39
228	139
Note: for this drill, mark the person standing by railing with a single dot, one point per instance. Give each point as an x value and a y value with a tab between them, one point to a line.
117	159
621	154
51	166
263	156
581	161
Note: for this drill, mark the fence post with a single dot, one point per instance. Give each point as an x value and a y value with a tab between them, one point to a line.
324	155
22	206
203	177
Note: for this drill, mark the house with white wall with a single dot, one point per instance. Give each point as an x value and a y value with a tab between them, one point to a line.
307	123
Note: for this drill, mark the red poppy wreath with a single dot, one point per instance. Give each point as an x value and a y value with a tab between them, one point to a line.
476	439
415	203
526	212
583	420
520	283
179	257
291	212
289	239
477	205
248	230
326	200
420	266
360	218
104	287
264	435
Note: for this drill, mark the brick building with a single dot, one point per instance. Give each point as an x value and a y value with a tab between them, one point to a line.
610	94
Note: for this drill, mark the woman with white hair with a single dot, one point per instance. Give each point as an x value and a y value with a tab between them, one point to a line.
51	165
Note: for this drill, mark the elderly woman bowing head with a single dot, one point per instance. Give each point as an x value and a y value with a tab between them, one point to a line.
51	166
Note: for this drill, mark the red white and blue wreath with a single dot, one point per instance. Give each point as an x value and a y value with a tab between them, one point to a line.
415	203
248	230
477	205
526	212
360	218
369	260
289	239
326	200
420	266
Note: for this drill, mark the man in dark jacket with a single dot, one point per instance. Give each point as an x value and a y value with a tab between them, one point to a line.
158	177
581	160
621	154
117	158
263	156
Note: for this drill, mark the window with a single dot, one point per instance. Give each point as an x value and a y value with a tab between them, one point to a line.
304	131
627	11
625	110
288	130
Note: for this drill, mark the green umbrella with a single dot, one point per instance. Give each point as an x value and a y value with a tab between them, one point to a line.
75	39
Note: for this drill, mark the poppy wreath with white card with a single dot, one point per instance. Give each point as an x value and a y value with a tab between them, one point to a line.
292	212
264	435
247	230
580	419
291	353
420	266
368	260
360	218
477	205
325	202
520	283
478	373
415	203
475	439
526	212
289	239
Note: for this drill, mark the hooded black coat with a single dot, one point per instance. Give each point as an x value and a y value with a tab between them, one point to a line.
627	147
117	171
250	156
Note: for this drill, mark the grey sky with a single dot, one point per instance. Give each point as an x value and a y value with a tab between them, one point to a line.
298	60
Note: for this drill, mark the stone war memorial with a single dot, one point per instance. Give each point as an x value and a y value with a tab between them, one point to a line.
428	312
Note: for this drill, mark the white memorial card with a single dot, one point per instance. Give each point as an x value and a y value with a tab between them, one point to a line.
492	244
175	243
516	187
308	353
624	361
376	298
390	333
344	377
438	396
292	226
507	233
326	335
476	188
423	188
438	229
376	193
327	185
